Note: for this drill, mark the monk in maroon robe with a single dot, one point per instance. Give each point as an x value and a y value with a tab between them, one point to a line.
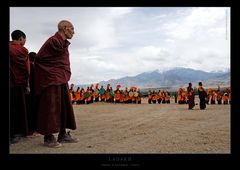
202	96
30	98
190	92
19	86
52	73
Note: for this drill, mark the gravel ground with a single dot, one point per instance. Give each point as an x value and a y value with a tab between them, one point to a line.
142	128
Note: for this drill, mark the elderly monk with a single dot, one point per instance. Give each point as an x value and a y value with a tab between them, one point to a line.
52	73
19	85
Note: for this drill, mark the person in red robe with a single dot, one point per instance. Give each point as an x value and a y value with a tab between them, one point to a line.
202	96
52	73
31	100
190	92
19	86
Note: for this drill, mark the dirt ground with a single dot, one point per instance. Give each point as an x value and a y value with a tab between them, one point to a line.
142	128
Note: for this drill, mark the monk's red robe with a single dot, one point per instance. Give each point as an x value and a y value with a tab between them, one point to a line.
52	66
52	73
19	77
19	64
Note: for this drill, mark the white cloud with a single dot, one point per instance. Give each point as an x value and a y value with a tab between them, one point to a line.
199	19
151	51
112	42
118	12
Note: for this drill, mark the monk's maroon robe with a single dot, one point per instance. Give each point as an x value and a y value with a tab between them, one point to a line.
52	73
191	102
19	65
19	76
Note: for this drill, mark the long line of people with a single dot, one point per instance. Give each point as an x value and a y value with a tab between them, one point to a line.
108	95
158	97
212	96
221	96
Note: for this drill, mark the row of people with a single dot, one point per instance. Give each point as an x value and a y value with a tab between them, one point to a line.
211	98
203	96
158	97
90	95
22	121
219	96
182	97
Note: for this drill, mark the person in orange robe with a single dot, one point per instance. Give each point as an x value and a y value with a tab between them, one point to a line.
117	94
82	96
131	95
163	97
149	97
96	93
183	96
19	86
127	98
107	94
209	95
122	96
77	96
225	98
213	97
72	94
159	96
154	97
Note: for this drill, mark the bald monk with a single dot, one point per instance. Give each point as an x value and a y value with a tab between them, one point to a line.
52	73
19	85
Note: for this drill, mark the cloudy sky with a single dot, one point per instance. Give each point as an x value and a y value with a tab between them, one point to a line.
114	42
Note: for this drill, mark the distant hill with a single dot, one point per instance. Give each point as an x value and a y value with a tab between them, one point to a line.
173	78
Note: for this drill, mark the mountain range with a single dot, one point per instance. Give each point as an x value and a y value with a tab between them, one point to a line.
173	79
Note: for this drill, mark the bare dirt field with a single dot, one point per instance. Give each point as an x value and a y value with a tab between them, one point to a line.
142	128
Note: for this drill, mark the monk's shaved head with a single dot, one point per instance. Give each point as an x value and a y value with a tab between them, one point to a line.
65	29
63	24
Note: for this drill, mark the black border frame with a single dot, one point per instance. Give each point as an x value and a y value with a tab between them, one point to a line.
123	160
